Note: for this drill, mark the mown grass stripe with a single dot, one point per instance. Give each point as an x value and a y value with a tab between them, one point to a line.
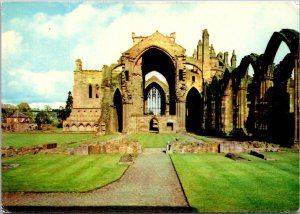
74	173
214	183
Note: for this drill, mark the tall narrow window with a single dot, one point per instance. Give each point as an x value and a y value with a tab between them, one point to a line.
154	101
193	78
180	74
126	75
97	91
90	91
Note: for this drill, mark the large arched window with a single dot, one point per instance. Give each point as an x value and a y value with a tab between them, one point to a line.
154	101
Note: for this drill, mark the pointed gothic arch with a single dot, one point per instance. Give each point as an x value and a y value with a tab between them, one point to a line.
154	99
119	109
155	59
194	111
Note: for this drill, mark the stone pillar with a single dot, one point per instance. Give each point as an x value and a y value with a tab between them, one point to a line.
239	109
205	49
204	115
167	108
78	65
244	112
226	114
265	83
137	88
226	58
233	59
181	115
213	113
205	55
199	51
242	105
296	100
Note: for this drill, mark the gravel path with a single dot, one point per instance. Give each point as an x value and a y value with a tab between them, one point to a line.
150	181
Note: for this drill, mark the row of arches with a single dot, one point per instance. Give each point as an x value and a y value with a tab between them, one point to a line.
234	103
80	127
264	105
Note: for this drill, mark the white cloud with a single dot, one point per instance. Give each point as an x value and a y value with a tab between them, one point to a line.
41	105
11	41
99	34
40	85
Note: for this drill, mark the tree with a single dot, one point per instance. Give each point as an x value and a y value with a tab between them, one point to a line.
25	109
69	104
64	113
44	117
6	110
48	114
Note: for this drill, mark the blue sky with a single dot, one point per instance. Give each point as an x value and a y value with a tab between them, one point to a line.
40	41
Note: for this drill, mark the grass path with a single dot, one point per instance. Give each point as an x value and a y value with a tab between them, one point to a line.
156	140
213	183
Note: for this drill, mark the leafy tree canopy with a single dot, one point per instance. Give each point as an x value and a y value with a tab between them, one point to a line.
25	109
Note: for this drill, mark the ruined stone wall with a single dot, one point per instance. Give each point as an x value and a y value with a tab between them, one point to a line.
115	147
222	147
82	81
142	123
227	110
18	127
82	120
194	79
31	150
87	96
108	147
95	110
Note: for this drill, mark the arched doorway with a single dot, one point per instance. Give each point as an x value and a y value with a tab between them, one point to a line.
119	109
154	126
194	111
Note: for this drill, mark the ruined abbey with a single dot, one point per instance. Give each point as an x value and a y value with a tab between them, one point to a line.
155	87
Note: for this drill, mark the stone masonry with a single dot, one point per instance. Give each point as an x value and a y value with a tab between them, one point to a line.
205	93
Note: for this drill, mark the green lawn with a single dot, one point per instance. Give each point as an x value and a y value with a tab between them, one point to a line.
214	183
155	140
61	173
89	140
204	139
20	140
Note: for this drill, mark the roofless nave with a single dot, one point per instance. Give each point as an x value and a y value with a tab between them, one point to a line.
206	93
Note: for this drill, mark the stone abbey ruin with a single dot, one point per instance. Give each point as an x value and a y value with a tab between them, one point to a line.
155	87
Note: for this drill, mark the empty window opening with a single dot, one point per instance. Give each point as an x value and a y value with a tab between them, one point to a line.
193	78
90	91
97	91
180	74
154	126
127	75
170	126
